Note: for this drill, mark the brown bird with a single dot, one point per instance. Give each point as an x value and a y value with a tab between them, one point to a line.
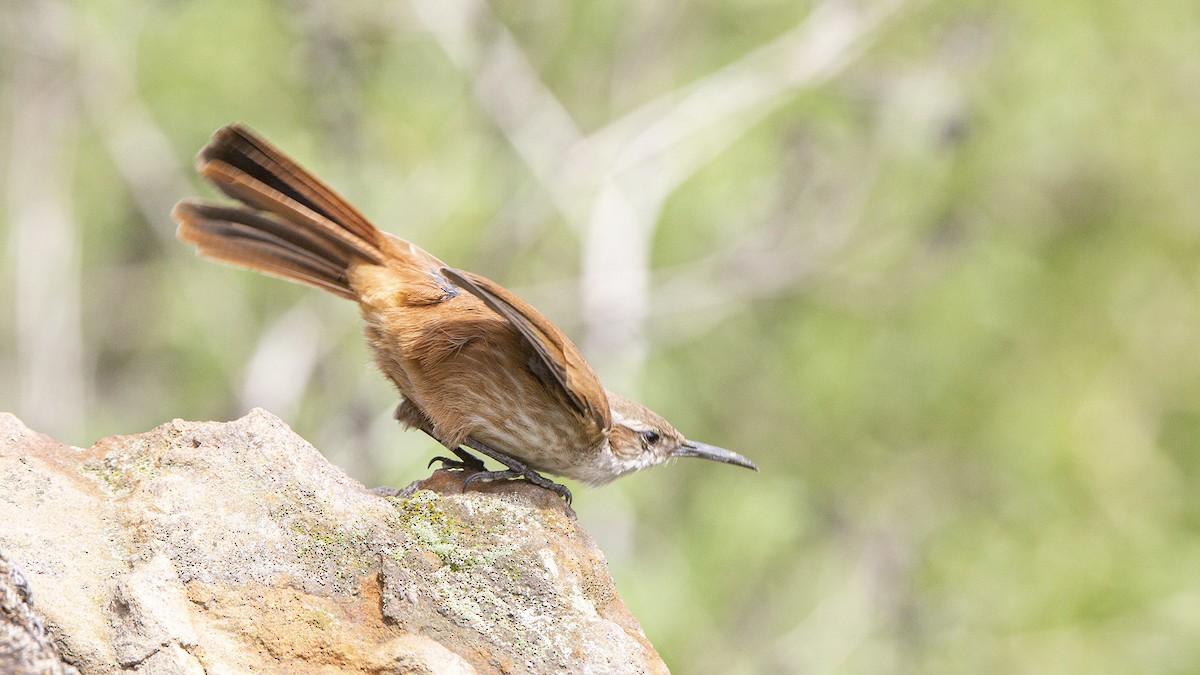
474	364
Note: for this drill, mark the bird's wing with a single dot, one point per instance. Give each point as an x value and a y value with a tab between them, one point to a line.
561	358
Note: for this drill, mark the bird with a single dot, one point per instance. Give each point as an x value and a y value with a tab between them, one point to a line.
474	364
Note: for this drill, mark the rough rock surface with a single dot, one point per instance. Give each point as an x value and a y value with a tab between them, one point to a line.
24	645
236	548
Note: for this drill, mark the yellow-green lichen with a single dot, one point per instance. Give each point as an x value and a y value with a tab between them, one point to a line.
457	546
322	542
119	472
320	620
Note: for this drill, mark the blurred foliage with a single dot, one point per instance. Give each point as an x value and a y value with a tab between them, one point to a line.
958	320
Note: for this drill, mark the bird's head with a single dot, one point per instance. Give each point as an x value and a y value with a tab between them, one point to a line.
641	438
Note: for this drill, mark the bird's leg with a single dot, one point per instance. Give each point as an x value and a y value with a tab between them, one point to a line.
408	414
465	462
474	466
516	469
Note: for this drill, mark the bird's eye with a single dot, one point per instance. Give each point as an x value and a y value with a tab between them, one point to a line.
651	437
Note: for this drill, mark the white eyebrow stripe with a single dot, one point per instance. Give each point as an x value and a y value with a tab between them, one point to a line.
627	422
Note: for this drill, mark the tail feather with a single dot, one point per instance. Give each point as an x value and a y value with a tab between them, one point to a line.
255	193
245	238
292	226
238	147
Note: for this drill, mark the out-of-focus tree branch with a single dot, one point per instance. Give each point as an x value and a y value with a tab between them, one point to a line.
44	245
611	185
142	155
510	90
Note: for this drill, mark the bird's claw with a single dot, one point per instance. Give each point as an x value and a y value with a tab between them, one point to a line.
466	462
514	468
528	476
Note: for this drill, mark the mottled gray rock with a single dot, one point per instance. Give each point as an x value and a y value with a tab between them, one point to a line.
24	645
235	547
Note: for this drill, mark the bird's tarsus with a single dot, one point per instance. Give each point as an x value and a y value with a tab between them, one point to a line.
516	469
528	475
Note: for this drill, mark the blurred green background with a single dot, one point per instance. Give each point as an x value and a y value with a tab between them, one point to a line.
934	265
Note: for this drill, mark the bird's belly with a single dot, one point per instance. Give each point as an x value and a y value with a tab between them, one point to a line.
549	440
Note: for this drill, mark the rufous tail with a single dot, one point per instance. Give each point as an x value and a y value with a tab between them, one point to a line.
290	224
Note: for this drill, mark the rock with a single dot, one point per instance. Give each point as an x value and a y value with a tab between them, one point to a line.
24	645
236	547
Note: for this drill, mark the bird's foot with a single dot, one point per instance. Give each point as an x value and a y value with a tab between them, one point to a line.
516	469
465	462
528	475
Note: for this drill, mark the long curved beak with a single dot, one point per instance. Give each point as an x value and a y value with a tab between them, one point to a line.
706	451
